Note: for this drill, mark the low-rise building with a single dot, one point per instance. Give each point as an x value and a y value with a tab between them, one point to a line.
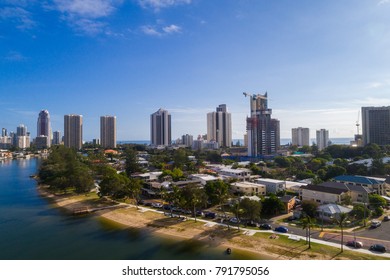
323	194
239	173
377	185
272	185
331	212
249	188
204	178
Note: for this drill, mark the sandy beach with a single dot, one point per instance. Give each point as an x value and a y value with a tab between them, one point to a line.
126	215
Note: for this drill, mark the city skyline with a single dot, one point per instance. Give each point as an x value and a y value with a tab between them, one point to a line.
320	62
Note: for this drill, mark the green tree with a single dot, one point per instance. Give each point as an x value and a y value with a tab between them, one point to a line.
341	219
272	205
194	196
307	224
360	211
310	208
251	209
376	200
131	165
134	187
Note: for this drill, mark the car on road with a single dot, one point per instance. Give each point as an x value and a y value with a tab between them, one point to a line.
234	220
281	229
375	223
210	215
265	226
386	218
355	244
378	248
252	224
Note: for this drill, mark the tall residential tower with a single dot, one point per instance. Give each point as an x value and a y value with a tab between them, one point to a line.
73	131
376	125
263	131
219	126
44	127
300	136
322	138
160	128
108	131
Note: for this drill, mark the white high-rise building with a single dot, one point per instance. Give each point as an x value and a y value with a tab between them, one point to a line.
73	131
300	136
219	126
160	128
108	131
322	137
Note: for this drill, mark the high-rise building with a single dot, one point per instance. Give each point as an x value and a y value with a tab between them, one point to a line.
263	131
300	136
73	131
219	126
21	130
108	131
187	140
322	137
376	125
4	132
57	138
160	128
44	127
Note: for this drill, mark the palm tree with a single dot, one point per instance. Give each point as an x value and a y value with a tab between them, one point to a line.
340	222
307	224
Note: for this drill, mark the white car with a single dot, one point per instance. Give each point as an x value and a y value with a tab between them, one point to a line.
375	223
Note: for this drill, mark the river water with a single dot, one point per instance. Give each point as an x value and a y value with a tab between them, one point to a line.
33	229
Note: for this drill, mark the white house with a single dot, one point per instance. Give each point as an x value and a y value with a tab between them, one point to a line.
239	173
249	188
272	185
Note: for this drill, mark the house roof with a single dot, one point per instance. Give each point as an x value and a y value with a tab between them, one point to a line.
333	208
324	189
357	179
287	198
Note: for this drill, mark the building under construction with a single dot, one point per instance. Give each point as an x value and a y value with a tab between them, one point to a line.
263	131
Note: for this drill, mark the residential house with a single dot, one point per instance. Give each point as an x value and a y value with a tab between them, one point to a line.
249	188
289	202
272	185
377	185
323	194
330	212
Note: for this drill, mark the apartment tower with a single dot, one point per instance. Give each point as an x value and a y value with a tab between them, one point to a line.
44	127
376	125
160	128
73	131
263	132
108	131
322	137
219	126
300	136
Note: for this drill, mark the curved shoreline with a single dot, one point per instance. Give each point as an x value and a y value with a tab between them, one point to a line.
160	225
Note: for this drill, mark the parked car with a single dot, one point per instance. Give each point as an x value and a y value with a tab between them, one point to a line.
386	218
355	244
281	229
234	220
210	215
265	226
378	248
375	223
252	224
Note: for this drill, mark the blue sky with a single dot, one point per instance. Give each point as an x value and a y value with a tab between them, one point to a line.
319	61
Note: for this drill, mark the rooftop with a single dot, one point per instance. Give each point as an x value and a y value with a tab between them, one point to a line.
358	179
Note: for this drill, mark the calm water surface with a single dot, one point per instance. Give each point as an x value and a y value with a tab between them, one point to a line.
31	228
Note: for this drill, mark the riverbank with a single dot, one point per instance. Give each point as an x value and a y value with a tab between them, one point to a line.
258	246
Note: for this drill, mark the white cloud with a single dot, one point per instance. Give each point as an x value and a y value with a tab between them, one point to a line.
160	31
172	29
159	4
149	30
86	8
382	2
87	16
20	16
15	56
